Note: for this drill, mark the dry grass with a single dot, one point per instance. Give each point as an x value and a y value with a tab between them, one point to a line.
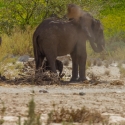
117	82
58	115
25	73
19	43
88	63
71	115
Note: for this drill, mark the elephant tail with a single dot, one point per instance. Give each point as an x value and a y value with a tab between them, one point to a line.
36	50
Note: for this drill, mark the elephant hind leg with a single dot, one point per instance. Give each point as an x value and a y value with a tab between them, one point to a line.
52	62
52	65
39	61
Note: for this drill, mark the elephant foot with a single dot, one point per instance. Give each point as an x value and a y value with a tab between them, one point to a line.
78	79
74	79
82	79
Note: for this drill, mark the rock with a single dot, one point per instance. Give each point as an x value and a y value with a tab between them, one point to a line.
23	58
81	93
43	91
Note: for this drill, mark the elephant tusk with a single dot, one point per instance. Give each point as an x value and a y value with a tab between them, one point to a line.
87	31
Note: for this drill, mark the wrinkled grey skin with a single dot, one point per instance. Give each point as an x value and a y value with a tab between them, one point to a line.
54	38
59	66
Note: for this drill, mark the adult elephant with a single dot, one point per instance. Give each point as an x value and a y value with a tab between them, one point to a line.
54	38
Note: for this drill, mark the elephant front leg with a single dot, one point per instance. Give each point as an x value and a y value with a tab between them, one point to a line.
82	68
74	67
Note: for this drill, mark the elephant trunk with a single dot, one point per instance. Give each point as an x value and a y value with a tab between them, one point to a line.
96	48
96	44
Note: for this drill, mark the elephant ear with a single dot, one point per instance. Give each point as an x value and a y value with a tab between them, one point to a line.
86	25
96	25
90	25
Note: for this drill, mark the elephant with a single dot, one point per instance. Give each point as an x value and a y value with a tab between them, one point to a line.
59	66
54	38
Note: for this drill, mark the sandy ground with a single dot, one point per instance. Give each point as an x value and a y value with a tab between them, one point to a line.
104	97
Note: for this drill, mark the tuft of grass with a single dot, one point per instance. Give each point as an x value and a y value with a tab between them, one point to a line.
32	117
117	82
71	115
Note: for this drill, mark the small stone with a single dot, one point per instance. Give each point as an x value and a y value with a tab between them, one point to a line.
81	93
43	91
23	58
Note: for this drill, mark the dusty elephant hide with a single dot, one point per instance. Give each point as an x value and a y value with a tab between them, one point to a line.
54	38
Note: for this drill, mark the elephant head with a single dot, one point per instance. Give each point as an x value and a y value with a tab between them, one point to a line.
92	27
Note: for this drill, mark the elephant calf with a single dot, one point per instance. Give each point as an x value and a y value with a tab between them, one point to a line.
59	66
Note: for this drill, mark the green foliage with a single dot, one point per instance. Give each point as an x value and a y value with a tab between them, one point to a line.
29	13
113	19
19	13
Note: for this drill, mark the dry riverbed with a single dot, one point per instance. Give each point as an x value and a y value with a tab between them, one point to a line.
105	98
